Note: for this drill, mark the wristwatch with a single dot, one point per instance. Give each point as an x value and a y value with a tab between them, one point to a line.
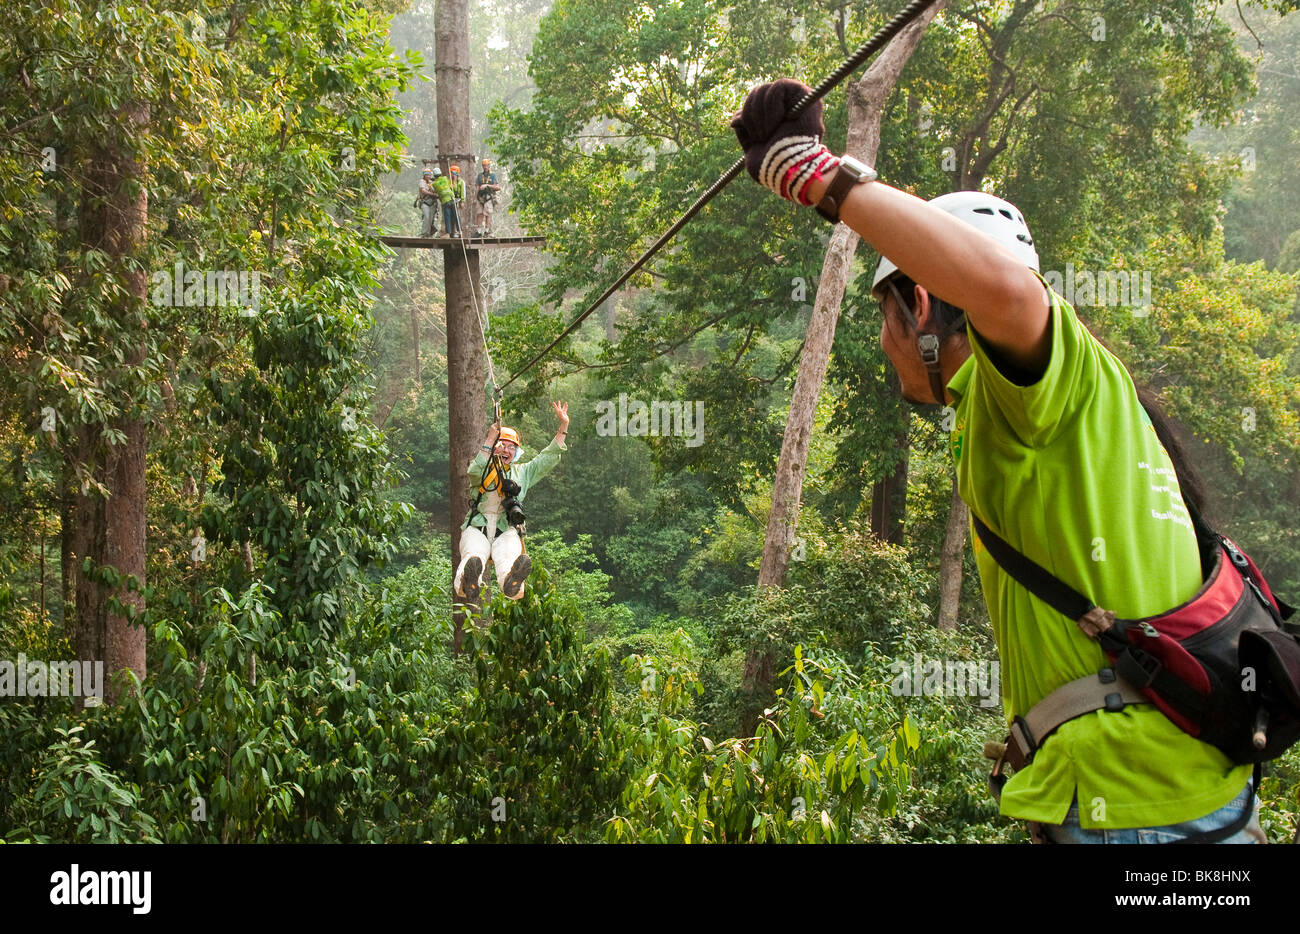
851	172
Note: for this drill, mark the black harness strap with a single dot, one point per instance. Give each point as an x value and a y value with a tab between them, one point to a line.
1043	585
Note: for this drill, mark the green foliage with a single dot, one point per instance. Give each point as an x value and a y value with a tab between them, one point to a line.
799	779
579	580
1263	202
948	800
295	693
79	799
1288	260
1279	807
417	433
534	755
850	588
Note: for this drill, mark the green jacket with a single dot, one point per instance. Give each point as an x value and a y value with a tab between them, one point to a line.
524	474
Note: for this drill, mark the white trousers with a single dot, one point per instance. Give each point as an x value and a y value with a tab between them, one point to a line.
503	549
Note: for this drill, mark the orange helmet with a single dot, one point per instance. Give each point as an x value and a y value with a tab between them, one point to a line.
455	168
487	162
509	434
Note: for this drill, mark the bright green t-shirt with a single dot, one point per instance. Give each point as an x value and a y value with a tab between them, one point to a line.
1070	472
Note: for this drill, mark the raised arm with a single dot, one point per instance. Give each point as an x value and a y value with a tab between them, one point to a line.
562	413
1005	302
1003	299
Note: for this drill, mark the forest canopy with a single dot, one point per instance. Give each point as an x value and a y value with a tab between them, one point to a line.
230	471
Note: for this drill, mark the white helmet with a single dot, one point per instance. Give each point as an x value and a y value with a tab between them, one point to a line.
988	214
436	172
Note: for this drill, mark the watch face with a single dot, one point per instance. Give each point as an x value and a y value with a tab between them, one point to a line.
861	170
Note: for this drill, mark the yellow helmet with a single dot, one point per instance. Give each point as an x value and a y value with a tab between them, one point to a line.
509	434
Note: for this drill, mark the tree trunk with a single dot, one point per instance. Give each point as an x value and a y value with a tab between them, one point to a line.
466	421
950	573
889	496
110	529
867	97
889	501
787	486
68	551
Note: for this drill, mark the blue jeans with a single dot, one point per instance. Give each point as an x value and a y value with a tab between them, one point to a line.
1071	832
450	219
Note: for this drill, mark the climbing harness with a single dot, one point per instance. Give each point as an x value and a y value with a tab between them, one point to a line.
1190	662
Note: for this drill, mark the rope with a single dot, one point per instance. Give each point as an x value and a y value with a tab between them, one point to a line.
850	65
481	318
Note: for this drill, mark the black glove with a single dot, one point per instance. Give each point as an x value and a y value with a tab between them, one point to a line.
797	155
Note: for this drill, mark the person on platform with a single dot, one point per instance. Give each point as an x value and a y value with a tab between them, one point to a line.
486	189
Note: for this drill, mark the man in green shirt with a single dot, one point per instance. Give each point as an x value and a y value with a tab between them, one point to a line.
442	188
1054	451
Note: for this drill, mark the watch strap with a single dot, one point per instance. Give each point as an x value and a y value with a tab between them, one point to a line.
851	172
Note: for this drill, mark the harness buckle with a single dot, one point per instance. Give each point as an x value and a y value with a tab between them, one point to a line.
1096	622
928	344
1025	744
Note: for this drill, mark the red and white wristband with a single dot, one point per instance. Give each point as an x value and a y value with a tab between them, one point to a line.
792	163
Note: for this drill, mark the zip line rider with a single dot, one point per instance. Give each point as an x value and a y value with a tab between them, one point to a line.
1055	452
494	528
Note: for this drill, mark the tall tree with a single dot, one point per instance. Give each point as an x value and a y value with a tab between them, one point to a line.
466	363
866	97
109	520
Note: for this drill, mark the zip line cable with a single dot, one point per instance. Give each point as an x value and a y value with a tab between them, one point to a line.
850	65
481	318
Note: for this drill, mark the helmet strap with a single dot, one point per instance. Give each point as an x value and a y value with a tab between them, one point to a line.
927	344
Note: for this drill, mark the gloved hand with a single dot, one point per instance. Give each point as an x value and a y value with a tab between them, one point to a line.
783	155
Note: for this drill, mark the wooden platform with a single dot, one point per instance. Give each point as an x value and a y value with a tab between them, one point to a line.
471	243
